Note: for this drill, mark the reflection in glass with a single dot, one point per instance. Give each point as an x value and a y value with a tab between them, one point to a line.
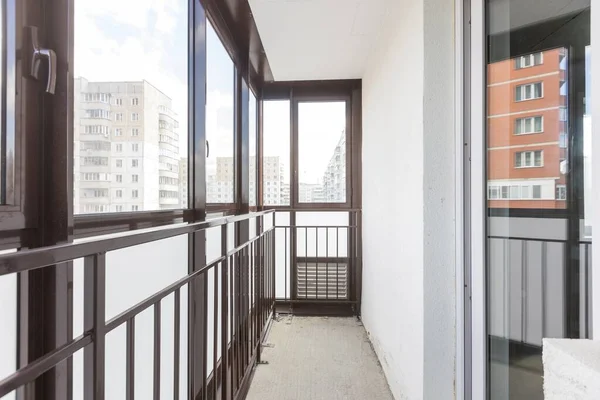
276	153
322	152
536	273
219	121
130	106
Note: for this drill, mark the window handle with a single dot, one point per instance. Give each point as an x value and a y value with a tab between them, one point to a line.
36	54
207	149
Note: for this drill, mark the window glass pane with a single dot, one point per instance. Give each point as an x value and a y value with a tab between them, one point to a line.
322	152
538	124
538	158
528	254
253	153
219	121
276	153
130	89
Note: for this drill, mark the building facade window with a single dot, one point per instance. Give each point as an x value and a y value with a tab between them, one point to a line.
135	147
134	163
96	97
119	193
135	132
119	178
135	101
134	193
135	116
118	132
119	117
119	102
561	192
528	159
119	163
95	161
529	91
527	125
135	208
118	208
119	147
529	60
134	178
97	114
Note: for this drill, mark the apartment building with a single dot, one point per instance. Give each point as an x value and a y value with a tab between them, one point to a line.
275	191
126	148
183	182
334	178
527	131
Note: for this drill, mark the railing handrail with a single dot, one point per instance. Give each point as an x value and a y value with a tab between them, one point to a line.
26	260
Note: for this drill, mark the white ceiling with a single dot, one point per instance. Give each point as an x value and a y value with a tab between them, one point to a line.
317	39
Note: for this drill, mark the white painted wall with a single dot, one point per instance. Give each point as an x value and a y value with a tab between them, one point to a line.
408	299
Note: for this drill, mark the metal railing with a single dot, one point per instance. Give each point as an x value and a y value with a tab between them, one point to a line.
318	262
243	288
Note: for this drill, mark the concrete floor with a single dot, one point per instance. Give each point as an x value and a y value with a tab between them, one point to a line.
318	358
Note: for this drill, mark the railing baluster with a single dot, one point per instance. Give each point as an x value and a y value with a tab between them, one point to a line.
317	261
231	266
327	263
337	264
94	321
156	351
176	339
205	336
215	329
306	263
224	317
285	263
130	360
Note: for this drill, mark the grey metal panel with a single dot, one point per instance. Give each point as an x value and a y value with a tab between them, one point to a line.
554	315
532	228
515	297
496	287
533	315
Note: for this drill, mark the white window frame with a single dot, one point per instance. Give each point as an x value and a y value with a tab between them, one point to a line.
523	156
135	101
135	163
522	122
531	58
561	189
135	116
118	116
523	89
118	101
118	131
135	132
135	194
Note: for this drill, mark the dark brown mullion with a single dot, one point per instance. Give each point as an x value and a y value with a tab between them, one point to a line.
293	150
356	150
45	127
197	299
259	156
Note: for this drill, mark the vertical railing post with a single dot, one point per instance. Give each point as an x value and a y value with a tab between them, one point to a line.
224	317
94	323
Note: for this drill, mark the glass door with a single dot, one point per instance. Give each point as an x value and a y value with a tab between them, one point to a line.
537	142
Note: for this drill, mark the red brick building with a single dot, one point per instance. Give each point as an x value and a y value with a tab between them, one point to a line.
527	131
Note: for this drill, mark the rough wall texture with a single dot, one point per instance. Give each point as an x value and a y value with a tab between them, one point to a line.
408	304
571	369
439	185
392	306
